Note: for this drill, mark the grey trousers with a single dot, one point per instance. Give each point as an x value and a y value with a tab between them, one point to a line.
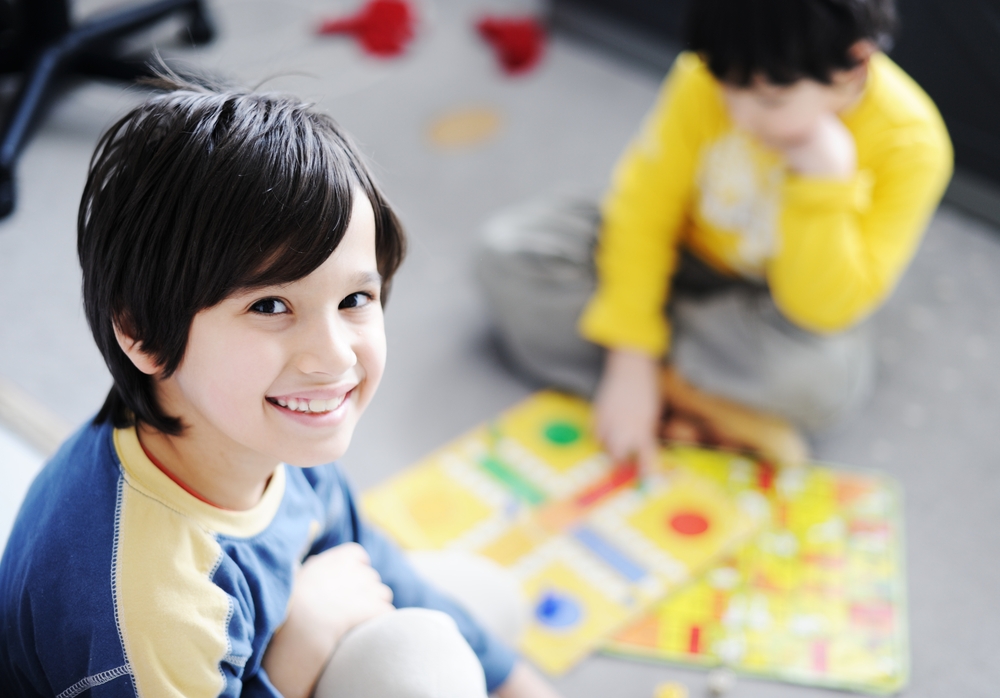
536	268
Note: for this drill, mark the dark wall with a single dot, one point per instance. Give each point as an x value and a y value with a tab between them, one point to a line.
661	17
952	48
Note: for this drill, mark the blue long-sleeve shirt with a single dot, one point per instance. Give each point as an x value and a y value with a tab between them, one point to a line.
117	580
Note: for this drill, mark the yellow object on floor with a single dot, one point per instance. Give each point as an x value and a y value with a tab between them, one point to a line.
464	128
670	689
592	547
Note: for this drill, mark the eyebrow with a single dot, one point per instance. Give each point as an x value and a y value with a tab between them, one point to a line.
365	278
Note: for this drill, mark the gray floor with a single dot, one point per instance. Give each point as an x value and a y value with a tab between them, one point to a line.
932	423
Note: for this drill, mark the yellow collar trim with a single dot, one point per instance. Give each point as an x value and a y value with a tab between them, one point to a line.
141	474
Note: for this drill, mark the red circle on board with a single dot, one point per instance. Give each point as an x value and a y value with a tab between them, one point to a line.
689	523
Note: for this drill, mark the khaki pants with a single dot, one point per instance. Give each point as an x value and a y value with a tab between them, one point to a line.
537	270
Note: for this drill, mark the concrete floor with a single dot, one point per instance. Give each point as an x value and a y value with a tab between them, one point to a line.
931	424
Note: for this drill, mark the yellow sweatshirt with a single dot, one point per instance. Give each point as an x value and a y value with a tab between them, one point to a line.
830	250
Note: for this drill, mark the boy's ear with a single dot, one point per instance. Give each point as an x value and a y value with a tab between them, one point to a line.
862	51
133	350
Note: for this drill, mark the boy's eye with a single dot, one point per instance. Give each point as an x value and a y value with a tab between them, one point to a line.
269	306
356	300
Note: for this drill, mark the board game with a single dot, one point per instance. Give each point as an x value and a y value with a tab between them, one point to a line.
592	546
817	597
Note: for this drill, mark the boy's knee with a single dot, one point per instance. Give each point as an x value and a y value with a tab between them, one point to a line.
407	653
547	241
832	385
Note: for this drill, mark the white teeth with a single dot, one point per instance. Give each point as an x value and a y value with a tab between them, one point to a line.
314	406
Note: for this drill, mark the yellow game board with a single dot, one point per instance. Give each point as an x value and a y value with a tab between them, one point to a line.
816	598
592	547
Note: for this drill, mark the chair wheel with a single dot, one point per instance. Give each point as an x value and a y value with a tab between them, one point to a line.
200	30
6	194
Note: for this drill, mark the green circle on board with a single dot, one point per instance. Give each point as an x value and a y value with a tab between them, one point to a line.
562	433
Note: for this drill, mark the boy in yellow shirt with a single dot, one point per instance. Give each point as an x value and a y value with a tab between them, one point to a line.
769	205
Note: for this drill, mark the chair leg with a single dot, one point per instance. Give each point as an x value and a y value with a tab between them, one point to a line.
26	107
48	64
103	65
120	23
7	193
200	30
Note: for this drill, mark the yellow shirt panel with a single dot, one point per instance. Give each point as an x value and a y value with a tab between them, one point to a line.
172	616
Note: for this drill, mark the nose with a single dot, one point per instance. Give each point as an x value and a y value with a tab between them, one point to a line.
327	346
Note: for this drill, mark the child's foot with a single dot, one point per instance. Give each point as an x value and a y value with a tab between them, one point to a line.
698	417
677	427
684	428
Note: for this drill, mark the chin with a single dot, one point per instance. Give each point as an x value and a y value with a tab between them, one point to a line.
321	454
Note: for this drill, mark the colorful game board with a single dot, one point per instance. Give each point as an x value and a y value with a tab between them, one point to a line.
816	598
592	547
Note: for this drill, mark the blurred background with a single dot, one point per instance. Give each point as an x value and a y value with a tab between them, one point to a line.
453	136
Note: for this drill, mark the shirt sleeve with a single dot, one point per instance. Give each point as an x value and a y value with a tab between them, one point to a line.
845	244
345	524
644	213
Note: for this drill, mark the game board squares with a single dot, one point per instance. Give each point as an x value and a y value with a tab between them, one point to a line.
513	544
570	614
691	520
815	598
556	483
800	602
427	508
555	428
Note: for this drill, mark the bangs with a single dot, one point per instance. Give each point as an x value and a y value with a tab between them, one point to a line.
297	223
285	207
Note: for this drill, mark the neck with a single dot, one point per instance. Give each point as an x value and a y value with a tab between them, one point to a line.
852	91
221	476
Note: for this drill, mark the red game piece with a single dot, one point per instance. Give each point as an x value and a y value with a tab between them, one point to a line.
689	523
384	27
518	41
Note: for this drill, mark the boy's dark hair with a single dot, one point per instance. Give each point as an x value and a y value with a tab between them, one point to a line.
784	40
199	193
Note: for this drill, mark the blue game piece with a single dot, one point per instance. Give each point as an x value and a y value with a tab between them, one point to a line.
557	610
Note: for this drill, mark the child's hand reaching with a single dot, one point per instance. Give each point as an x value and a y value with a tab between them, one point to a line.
627	407
333	592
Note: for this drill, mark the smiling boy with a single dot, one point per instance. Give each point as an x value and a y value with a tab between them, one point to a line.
190	540
770	203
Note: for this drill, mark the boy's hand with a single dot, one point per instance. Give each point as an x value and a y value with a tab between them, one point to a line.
829	151
627	407
524	682
332	592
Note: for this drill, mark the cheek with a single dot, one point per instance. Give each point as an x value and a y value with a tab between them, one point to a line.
228	374
740	111
371	352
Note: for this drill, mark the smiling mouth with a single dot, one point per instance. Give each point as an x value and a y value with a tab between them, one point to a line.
310	406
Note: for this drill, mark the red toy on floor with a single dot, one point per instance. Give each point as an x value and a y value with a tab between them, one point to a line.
384	27
518	42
